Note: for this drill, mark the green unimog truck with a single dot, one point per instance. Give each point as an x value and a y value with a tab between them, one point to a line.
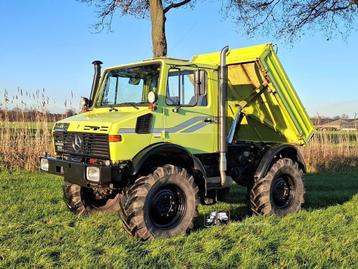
160	136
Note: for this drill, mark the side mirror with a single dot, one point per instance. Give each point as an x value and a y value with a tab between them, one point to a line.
152	97
84	103
200	80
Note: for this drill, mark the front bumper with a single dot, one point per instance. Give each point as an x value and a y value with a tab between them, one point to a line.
75	172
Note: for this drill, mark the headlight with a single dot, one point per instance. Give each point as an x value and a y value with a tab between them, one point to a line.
44	164
92	173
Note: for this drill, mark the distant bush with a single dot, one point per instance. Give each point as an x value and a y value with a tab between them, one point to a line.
28	116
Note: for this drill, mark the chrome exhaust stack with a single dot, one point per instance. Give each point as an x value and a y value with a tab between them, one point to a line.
222	115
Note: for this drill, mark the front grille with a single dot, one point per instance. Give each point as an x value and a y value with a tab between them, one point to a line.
92	145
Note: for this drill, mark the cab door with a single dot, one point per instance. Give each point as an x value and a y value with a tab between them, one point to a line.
189	113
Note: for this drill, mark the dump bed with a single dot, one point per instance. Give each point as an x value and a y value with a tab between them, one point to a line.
261	98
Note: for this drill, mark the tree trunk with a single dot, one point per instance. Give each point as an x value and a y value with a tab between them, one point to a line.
159	40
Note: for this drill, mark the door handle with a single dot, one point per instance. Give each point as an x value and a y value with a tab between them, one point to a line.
208	120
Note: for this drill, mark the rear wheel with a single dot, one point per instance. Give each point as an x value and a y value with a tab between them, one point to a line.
86	201
161	204
280	192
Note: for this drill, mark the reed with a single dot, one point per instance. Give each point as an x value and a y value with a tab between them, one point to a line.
332	150
25	134
25	130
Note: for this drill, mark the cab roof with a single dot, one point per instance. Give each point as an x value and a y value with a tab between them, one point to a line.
164	60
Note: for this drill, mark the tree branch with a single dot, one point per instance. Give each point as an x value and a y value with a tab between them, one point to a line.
175	5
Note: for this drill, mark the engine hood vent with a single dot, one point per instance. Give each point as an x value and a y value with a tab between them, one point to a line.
96	128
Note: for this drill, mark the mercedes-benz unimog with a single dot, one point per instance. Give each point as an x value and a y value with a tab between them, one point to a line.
159	136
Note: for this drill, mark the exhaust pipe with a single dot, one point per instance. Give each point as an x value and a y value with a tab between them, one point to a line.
222	115
96	78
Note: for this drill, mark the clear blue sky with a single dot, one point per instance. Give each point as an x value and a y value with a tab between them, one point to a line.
50	44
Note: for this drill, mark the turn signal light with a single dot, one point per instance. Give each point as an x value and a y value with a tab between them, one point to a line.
152	107
114	138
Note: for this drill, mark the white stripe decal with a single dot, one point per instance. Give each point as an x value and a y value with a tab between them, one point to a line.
174	129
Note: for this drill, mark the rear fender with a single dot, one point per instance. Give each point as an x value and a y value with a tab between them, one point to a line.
278	152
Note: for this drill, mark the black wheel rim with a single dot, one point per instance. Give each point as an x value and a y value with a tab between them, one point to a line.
166	207
282	191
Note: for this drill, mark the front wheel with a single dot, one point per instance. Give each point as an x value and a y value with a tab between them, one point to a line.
161	204
87	201
280	192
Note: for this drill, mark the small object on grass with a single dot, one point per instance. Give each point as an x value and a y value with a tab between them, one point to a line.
217	218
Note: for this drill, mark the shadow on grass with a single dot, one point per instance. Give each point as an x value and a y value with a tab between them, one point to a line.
237	213
330	188
322	190
235	202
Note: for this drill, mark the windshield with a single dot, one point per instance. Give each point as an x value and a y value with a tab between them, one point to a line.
129	85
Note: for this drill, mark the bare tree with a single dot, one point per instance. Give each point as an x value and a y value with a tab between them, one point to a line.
156	9
283	18
69	112
292	18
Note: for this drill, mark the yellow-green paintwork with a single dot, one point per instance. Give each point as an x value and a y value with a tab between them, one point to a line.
278	116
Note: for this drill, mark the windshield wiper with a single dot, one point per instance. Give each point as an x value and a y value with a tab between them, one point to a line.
112	108
130	103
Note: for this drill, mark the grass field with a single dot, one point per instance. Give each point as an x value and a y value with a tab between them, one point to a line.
37	231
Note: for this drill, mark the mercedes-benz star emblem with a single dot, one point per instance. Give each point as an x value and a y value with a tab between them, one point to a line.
77	142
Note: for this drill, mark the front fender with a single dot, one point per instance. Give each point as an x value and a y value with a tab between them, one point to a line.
163	150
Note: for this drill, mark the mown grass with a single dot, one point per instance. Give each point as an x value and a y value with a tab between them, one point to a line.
37	231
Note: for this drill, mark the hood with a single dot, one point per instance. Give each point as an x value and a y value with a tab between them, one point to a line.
104	121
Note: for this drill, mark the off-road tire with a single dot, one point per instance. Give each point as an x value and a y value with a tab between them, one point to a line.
138	201
263	200
77	200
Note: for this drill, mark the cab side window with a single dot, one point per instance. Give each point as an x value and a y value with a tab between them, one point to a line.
186	88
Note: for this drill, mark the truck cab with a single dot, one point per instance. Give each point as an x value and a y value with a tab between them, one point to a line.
137	106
